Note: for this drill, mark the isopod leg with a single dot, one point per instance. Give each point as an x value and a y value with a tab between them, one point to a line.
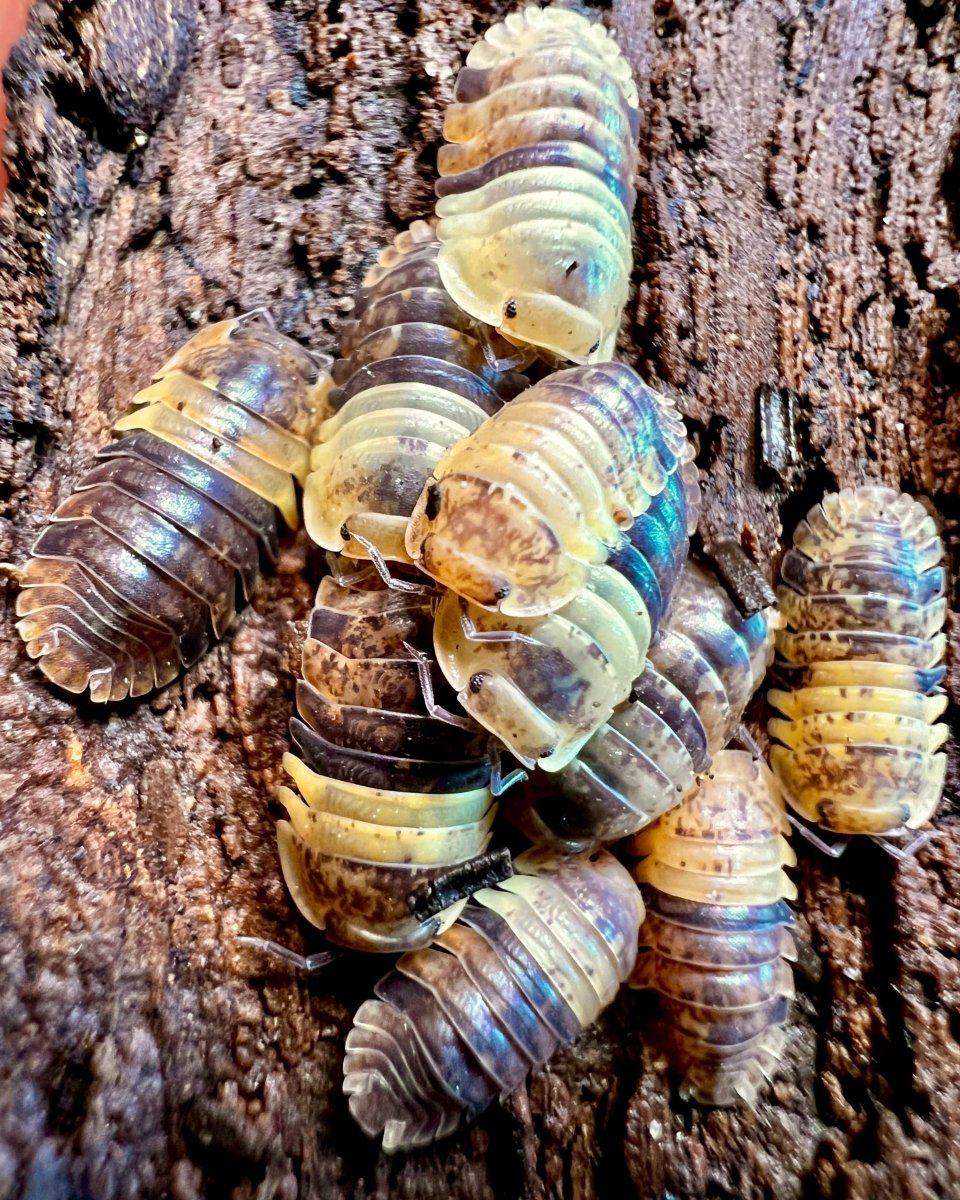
518	361
916	843
500	783
831	849
748	741
308	963
380	563
258	314
491	635
426	686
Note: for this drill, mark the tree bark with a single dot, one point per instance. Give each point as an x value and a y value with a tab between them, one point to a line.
173	161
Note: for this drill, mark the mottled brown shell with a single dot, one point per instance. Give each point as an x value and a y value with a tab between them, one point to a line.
863	598
715	943
537	183
526	967
157	544
389	796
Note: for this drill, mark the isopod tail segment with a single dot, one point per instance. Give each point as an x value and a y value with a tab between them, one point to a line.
527	966
161	541
684	705
858	745
588	467
417	375
393	786
537	187
716	943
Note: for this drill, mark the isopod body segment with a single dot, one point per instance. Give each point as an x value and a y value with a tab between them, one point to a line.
716	942
150	554
537	188
861	660
526	967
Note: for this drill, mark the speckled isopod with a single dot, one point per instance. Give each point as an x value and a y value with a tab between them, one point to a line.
863	598
525	968
388	795
537	183
143	561
716	943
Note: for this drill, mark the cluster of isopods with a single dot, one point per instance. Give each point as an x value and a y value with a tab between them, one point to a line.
510	609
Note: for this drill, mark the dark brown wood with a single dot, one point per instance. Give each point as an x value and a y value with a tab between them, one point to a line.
798	227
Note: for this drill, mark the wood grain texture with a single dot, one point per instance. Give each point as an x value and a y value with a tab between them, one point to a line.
798	222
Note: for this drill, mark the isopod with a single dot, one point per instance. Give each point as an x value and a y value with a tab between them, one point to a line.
863	597
537	188
542	685
684	706
716	943
586	467
413	380
142	562
526	967
390	795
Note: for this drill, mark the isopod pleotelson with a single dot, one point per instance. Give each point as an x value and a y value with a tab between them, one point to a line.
390	796
143	561
414	380
588	466
684	706
526	967
863	597
537	188
716	943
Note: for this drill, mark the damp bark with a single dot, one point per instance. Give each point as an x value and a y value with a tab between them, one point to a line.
798	232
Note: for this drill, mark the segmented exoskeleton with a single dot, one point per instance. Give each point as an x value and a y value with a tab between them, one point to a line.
527	966
143	561
391	795
716	943
863	598
588	466
684	706
537	191
414	379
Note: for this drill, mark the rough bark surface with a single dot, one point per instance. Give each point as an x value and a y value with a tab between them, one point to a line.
176	160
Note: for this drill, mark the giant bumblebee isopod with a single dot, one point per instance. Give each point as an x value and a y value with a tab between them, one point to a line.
863	599
144	559
684	706
716	943
537	184
414	378
525	968
588	466
390	795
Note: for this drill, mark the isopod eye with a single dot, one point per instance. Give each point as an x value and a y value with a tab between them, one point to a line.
345	532
510	309
434	500
595	347
476	683
502	592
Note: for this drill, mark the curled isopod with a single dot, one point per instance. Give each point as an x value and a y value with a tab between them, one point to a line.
863	598
146	557
716	943
537	183
542	685
526	967
588	466
415	378
684	706
391	792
